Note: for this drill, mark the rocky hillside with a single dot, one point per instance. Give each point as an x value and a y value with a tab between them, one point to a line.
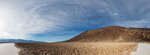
114	34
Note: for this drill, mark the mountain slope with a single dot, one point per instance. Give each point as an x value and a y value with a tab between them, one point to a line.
114	34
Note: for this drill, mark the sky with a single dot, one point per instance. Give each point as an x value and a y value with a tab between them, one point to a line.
59	20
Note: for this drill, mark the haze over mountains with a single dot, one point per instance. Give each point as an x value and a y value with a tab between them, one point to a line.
114	34
19	41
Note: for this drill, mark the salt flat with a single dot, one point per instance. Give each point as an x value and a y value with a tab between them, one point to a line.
142	49
8	49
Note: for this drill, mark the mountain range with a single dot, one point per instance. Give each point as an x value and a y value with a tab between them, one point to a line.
19	41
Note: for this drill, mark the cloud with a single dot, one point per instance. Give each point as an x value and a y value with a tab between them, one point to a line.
137	23
24	18
19	20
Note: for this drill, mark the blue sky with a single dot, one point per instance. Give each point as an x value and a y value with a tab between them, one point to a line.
58	20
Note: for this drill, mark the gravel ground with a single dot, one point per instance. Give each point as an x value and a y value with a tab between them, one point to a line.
76	48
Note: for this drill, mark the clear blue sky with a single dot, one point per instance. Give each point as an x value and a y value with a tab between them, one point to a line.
58	20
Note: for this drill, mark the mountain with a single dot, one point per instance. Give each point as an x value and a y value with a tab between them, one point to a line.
19	41
114	34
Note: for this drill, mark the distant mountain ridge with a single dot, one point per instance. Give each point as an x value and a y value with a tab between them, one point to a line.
19	41
114	34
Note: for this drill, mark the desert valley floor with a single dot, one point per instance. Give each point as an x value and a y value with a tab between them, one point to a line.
75	48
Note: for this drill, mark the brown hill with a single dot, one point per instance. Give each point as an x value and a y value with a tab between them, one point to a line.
114	34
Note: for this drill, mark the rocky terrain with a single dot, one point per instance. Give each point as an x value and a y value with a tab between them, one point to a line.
77	48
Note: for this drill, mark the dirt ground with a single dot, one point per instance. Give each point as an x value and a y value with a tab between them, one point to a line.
76	48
